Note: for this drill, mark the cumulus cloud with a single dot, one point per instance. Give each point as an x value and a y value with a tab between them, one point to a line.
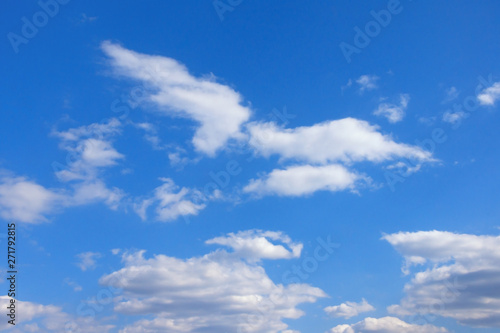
367	82
217	108
24	200
254	245
304	180
347	140
171	202
386	325
458	276
490	95
49	318
218	292
393	112
87	260
349	309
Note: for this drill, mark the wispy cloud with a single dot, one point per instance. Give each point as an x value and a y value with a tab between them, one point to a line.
393	112
171	201
87	260
454	117
367	82
452	93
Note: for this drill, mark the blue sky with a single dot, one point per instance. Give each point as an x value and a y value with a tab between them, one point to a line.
252	166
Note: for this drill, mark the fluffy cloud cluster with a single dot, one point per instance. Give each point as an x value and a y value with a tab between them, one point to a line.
221	117
349	309
327	151
386	325
459	276
218	292
319	157
217	108
254	245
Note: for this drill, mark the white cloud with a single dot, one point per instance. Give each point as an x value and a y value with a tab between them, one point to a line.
347	140
367	82
87	260
33	317
96	191
97	130
303	180
26	201
217	292
454	117
254	245
458	277
171	202
490	95
90	148
349	309
393	112
386	325
216	107
99	153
